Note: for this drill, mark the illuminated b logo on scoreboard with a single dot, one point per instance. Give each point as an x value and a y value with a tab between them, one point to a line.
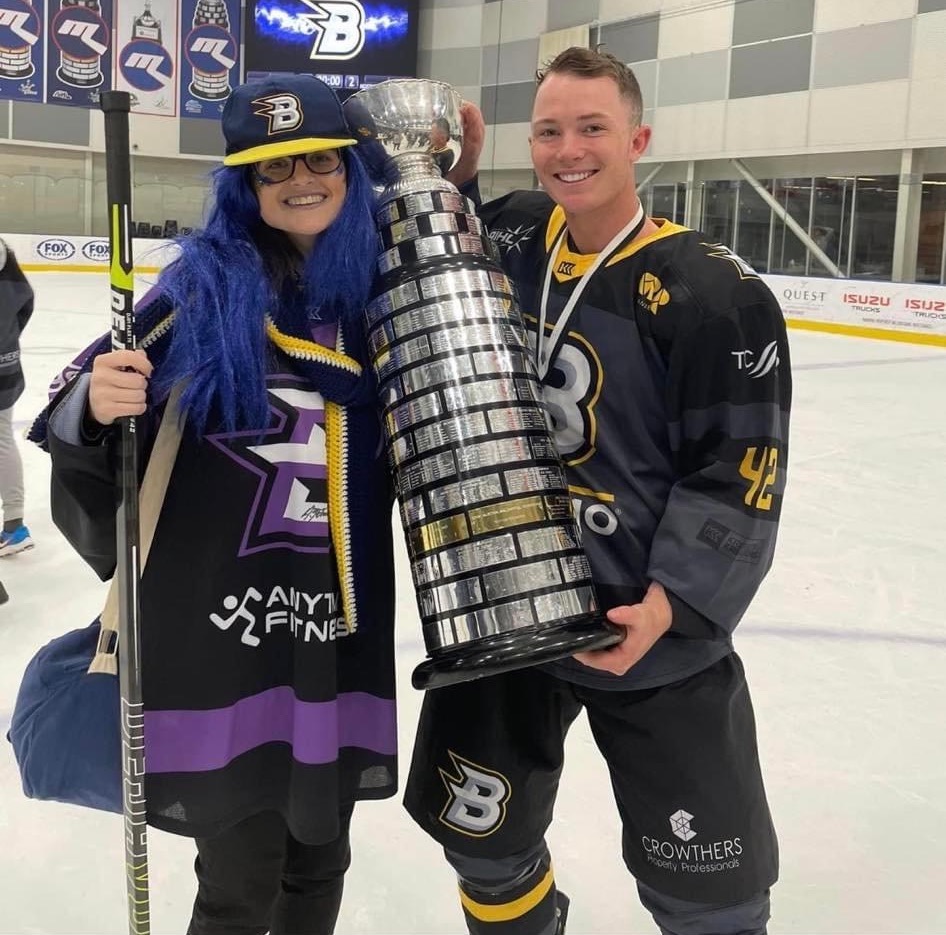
339	28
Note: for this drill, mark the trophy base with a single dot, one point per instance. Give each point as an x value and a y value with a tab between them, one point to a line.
516	650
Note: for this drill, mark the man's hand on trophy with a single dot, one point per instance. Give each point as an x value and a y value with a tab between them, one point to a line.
474	135
645	623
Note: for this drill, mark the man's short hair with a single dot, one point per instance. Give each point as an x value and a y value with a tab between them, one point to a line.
593	63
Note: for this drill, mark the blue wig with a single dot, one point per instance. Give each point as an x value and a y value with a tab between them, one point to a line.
234	272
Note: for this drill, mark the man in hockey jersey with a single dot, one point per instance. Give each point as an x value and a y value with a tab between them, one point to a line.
267	599
666	374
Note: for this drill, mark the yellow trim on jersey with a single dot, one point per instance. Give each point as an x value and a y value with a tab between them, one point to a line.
309	350
581	262
665	229
339	524
505	912
554	227
587	492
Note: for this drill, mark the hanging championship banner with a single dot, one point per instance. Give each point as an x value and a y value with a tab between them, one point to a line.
209	55
22	62
79	51
147	34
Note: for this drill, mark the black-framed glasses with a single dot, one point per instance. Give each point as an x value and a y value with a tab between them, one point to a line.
281	168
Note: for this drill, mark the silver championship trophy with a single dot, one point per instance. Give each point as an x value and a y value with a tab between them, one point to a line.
501	578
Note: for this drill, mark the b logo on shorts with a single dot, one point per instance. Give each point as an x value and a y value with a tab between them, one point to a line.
477	798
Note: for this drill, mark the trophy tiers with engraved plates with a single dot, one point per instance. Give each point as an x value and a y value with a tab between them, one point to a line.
502	581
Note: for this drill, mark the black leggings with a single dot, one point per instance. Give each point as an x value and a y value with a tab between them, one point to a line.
256	877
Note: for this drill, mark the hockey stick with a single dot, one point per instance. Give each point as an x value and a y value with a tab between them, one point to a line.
116	106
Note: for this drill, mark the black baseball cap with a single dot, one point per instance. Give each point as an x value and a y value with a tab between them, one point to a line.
284	115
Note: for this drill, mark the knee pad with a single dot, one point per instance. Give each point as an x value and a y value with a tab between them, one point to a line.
513	895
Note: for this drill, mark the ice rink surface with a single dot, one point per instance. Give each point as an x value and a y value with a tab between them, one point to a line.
845	648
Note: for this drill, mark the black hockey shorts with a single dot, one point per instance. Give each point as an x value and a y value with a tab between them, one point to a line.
683	761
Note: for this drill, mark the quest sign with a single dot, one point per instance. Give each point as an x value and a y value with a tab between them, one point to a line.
883	305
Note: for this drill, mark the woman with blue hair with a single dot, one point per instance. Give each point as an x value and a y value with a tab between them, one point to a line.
267	601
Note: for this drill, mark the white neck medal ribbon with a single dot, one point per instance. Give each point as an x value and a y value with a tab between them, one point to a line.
545	350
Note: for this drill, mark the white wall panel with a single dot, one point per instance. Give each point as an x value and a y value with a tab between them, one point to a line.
750	127
929	46
611	10
843	14
685	31
522	19
853	116
454	28
152	136
553	43
508	147
489	32
926	116
689	130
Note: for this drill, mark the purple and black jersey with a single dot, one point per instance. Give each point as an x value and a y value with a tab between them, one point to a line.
266	602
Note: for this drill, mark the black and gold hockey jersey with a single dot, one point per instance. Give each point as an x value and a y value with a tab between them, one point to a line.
669	395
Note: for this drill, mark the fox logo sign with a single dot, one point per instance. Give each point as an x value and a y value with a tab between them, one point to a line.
339	28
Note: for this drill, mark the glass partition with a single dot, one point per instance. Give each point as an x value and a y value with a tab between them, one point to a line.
754	226
931	247
666	201
852	219
831	221
719	210
875	218
789	255
49	191
43	190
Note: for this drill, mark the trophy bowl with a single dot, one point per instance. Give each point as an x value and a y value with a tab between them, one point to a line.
405	117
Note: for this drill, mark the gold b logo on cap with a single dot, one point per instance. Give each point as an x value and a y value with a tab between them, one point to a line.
283	110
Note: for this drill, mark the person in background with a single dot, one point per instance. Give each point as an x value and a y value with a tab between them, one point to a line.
438	145
267	601
665	369
16	307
